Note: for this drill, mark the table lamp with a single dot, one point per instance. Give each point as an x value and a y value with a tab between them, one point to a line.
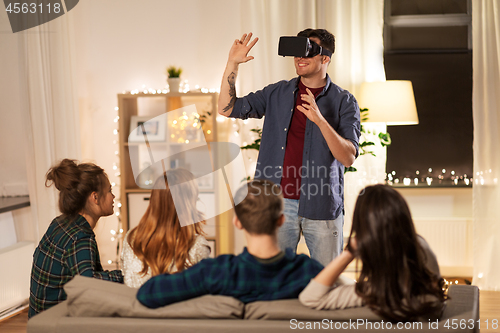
391	102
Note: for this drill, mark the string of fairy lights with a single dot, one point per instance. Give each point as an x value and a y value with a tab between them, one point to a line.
183	88
116	235
429	179
444	178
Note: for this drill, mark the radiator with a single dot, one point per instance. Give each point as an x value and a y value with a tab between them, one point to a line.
451	241
15	266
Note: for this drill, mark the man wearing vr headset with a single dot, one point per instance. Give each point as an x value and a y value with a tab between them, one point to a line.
310	134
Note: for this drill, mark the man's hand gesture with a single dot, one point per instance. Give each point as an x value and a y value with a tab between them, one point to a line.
239	51
237	55
310	108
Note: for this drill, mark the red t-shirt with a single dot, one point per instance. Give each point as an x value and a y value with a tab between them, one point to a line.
291	179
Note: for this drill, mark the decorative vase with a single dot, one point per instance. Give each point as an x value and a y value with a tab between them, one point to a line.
174	84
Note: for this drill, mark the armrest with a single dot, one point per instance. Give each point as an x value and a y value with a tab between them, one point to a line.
47	321
463	305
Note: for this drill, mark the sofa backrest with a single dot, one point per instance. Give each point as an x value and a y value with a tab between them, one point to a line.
89	297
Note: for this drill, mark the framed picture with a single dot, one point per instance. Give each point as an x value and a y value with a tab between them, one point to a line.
142	127
213	249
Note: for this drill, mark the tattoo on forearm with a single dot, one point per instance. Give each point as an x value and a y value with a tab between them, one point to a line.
231	79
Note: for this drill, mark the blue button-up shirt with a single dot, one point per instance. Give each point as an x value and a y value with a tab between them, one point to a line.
322	185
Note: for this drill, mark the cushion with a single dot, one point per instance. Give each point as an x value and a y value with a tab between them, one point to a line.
88	297
292	309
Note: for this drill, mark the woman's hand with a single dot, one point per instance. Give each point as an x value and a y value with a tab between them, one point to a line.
352	246
329	275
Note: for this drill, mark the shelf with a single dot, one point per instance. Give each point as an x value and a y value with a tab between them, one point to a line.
193	144
446	183
431	186
143	190
8	204
170	94
137	190
134	155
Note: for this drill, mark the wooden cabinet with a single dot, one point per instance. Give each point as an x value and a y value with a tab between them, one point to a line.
177	125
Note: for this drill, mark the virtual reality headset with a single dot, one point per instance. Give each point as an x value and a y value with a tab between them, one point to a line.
298	46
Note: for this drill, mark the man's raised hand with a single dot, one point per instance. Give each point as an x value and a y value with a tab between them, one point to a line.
237	55
240	48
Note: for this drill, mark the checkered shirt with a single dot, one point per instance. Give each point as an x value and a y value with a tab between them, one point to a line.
68	248
243	277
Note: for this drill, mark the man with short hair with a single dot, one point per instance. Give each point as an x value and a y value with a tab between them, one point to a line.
262	272
311	132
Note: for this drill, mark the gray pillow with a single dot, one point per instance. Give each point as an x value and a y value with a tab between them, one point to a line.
292	309
88	297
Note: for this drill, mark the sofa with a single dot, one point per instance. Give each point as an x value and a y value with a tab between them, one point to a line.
106	307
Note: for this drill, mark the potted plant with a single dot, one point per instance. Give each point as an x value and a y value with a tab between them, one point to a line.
384	139
174	78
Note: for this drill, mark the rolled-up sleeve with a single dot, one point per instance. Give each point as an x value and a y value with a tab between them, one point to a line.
82	258
251	106
255	104
321	297
350	125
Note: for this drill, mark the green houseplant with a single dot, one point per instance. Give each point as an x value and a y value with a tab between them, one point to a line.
173	72
174	78
384	139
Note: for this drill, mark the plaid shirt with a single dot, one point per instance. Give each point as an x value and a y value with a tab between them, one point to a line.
242	277
68	248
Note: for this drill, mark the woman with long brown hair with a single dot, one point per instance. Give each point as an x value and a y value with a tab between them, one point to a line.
169	237
399	278
69	247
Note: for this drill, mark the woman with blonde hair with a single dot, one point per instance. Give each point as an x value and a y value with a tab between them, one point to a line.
169	237
69	247
399	278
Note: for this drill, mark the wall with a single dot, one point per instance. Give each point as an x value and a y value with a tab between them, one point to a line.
123	45
13	177
443	216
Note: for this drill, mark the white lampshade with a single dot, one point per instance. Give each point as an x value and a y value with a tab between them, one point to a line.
390	102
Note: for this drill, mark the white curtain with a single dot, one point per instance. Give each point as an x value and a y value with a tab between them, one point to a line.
49	109
358	29
486	114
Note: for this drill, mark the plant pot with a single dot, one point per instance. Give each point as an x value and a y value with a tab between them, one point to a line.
174	84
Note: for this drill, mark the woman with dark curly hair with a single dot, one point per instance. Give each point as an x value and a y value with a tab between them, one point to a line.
399	278
69	247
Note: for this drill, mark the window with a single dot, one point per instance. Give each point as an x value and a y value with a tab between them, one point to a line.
429	43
